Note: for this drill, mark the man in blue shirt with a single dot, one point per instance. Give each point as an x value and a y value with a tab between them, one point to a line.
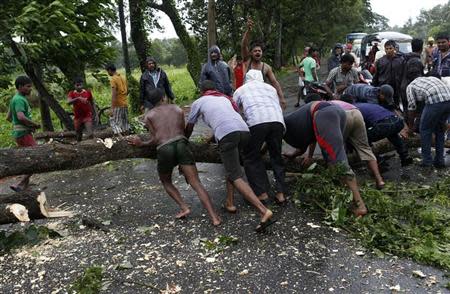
369	94
382	123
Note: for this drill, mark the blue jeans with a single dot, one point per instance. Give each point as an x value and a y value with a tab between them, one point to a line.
432	121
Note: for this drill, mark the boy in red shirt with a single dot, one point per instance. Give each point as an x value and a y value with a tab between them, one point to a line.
83	103
238	73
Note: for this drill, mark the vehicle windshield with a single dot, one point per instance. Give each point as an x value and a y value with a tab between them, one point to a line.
405	47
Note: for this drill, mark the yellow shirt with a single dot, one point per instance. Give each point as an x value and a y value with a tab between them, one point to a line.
120	84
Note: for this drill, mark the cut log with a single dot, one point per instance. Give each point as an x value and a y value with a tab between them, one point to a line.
27	205
56	156
12	213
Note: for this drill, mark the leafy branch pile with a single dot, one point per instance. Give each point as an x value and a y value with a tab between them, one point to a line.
404	219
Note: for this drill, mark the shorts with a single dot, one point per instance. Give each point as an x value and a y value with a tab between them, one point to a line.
174	153
26	141
356	134
329	125
80	121
229	148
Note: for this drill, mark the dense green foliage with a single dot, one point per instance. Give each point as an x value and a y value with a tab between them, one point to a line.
322	23
404	219
429	22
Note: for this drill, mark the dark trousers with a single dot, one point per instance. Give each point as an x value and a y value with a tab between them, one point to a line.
272	134
389	128
433	120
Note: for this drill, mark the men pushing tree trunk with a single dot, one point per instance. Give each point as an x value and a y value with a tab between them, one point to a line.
166	124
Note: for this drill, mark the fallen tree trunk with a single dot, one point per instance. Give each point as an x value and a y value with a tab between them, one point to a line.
27	205
56	156
106	133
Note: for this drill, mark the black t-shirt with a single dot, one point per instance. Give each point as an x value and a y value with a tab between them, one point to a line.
299	128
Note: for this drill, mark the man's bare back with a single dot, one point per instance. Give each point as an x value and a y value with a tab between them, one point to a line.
165	121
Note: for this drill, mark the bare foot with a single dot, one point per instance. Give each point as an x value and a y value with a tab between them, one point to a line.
267	215
263	197
216	221
380	185
279	198
183	213
359	209
230	208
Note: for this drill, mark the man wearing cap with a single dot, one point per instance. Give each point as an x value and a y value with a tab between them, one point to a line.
152	78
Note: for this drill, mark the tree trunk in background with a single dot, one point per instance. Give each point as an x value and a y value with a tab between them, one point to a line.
46	117
212	31
133	85
40	87
278	61
123	33
138	34
189	44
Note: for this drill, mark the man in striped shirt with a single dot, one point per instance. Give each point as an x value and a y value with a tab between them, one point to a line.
436	95
264	117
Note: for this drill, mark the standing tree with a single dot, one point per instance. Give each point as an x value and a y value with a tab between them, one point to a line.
138	34
212	31
189	44
123	34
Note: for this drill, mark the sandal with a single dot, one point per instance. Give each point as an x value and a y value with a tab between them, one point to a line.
261	228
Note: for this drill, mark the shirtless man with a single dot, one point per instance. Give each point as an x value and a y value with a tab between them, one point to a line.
166	124
252	60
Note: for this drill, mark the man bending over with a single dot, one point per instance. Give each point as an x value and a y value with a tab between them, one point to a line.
166	124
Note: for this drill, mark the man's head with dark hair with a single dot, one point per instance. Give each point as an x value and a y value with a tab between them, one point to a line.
417	45
239	59
150	63
78	83
111	69
347	61
23	85
442	42
433	73
386	95
156	96
312	97
207	85
389	48
256	50
311	51
347	98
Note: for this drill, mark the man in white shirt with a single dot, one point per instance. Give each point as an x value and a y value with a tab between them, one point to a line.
264	117
232	134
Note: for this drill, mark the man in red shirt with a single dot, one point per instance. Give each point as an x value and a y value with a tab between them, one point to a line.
82	101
